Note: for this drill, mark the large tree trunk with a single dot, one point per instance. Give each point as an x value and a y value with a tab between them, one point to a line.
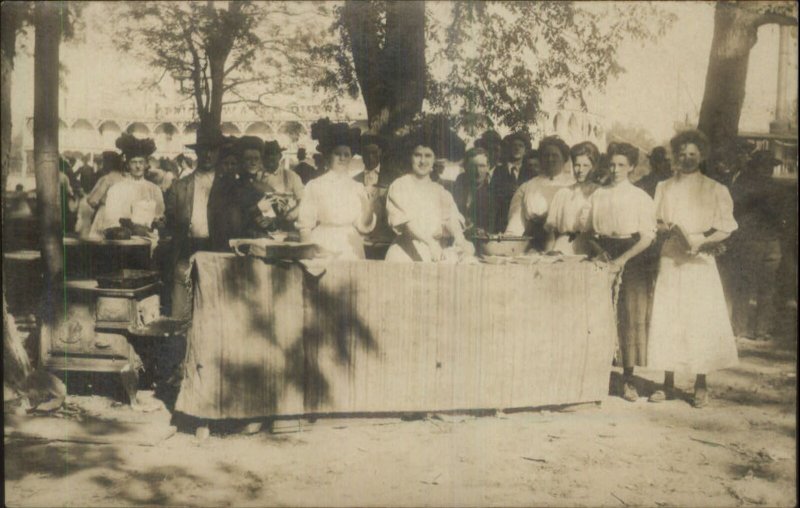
16	363
392	78
735	33
45	147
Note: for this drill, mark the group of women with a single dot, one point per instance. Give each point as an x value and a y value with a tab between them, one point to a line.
677	322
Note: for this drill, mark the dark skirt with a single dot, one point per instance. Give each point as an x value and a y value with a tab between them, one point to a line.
634	302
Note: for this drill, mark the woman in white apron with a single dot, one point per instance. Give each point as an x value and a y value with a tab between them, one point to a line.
690	330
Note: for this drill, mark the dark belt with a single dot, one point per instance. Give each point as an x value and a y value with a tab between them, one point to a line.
615	247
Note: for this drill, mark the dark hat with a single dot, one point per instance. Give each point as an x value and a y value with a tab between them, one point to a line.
763	159
112	161
329	135
132	147
228	147
215	139
250	143
658	154
373	139
488	137
301	153
436	133
522	136
272	148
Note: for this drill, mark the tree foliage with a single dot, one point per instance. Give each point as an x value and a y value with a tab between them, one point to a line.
244	53
493	59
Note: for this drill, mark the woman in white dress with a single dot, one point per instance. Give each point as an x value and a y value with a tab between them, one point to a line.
567	219
96	200
622	217
531	202
336	211
423	213
690	331
133	198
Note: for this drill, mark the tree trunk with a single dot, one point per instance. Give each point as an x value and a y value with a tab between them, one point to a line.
392	78
735	33
45	147
16	363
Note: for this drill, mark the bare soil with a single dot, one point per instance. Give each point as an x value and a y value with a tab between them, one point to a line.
738	451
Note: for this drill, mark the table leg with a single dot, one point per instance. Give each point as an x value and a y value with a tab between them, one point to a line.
130	382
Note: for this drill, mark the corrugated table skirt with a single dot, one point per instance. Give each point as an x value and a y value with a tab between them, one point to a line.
371	336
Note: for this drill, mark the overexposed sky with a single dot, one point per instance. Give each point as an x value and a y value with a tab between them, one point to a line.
663	82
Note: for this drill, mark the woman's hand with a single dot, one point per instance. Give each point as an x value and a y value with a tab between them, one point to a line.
435	250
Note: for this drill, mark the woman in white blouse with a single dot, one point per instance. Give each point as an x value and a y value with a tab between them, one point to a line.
690	329
531	202
567	220
622	217
423	213
335	211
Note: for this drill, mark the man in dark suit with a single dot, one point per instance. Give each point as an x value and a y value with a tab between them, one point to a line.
187	219
376	181
509	176
306	171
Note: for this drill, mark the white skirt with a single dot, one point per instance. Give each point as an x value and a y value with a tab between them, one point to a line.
341	242
690	331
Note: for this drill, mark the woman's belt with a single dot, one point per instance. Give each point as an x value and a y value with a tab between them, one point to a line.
615	247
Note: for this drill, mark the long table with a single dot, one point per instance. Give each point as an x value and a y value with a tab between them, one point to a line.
372	336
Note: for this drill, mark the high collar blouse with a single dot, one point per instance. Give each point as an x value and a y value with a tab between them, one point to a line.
621	211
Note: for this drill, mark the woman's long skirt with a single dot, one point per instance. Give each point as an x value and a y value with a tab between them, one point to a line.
690	331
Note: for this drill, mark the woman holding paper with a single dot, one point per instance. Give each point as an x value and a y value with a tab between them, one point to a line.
690	330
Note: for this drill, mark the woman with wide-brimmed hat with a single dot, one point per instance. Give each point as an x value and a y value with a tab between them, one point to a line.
336	211
133	198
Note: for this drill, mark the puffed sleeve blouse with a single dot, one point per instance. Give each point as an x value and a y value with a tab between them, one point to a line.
621	211
695	202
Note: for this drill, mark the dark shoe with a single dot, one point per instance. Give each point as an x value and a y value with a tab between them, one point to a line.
700	399
629	392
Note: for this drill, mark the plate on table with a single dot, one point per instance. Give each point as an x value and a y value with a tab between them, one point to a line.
269	248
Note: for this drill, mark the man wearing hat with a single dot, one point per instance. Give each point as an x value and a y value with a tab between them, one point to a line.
760	208
277	192
509	176
187	217
660	170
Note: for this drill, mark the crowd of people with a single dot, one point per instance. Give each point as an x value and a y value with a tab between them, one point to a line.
676	310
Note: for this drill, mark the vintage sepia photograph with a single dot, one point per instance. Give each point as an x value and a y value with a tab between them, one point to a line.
385	253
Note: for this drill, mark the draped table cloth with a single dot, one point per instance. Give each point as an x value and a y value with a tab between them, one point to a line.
371	336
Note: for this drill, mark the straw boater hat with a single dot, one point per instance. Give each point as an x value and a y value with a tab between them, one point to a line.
329	135
132	147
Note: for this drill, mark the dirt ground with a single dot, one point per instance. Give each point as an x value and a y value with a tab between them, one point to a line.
740	450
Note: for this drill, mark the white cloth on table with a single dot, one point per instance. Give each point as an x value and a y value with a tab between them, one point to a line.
690	330
622	210
532	200
331	208
138	200
203	181
428	205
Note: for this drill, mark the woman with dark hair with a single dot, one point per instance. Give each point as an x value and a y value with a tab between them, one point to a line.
531	202
336	211
472	192
690	330
422	212
622	218
569	212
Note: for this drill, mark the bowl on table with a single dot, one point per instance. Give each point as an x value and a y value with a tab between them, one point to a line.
501	245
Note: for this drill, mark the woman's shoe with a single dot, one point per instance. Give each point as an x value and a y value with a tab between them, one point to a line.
629	392
700	399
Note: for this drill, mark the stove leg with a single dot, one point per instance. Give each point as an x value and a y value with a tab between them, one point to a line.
130	382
